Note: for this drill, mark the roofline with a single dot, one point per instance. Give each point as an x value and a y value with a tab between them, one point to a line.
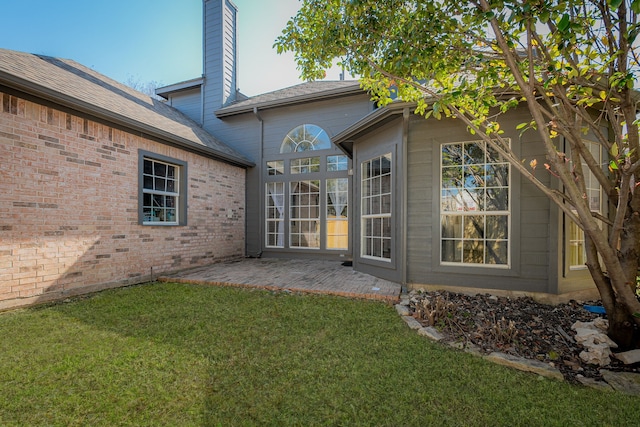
165	91
292	100
67	101
344	139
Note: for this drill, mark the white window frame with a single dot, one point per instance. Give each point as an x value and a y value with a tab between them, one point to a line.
468	209
373	210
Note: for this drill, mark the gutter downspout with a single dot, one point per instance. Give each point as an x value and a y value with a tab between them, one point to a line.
261	189
405	180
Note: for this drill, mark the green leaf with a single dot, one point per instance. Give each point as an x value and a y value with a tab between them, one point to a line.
521	125
564	23
636	315
614	4
613	165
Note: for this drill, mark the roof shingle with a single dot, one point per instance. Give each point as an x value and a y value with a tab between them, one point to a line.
73	85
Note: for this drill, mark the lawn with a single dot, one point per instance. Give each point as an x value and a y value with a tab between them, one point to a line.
179	355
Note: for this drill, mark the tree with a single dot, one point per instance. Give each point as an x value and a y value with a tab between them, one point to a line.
148	88
573	64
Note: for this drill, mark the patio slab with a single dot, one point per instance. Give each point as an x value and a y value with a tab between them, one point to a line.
296	275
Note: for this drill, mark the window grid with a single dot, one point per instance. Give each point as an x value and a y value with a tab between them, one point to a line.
160	190
376	208
337	213
275	214
577	256
305	165
305	138
475	206
337	163
304	214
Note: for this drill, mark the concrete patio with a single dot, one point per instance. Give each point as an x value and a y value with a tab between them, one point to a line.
296	275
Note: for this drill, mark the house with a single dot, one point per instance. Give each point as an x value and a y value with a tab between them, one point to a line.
316	170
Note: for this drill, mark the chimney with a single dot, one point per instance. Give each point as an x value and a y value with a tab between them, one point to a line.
220	61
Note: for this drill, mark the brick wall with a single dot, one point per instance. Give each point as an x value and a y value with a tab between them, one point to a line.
69	207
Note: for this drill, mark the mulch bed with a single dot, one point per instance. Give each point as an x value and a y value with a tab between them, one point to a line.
516	326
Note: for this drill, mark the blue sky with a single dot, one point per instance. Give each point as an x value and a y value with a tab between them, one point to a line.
150	40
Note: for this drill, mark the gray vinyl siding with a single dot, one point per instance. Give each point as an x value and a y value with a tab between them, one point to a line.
530	254
331	115
230	52
189	102
387	139
220	65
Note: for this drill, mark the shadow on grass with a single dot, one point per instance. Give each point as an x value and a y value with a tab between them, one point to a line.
211	356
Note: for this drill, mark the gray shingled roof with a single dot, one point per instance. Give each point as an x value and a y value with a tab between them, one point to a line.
68	83
310	91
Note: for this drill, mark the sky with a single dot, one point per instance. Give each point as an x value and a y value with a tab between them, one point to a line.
145	41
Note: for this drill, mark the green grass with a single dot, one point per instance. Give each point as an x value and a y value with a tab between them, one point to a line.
180	355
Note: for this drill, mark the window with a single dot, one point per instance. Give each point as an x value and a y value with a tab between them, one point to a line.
337	163
305	165
337	213
304	216
162	184
275	214
577	256
376	208
275	167
305	138
474	204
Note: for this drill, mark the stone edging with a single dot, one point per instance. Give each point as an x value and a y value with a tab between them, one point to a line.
625	382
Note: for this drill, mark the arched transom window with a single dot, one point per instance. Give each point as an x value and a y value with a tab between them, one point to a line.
305	138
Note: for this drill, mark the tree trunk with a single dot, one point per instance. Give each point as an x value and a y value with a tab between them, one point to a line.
622	328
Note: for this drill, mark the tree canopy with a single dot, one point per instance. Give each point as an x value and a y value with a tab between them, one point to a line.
573	64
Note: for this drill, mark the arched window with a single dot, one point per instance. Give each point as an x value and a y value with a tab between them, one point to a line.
305	138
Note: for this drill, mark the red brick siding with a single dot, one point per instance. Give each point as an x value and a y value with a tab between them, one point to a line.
69	207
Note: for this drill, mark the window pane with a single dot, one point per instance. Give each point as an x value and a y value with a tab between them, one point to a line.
496	252
474	153
147	182
160	184
452	177
474	227
159	169
451	227
451	250
496	227
473	251
451	155
275	167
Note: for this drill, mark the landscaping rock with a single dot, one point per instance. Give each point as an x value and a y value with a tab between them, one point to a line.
593	383
624	382
412	322
403	310
431	333
592	336
526	365
405	299
628	357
